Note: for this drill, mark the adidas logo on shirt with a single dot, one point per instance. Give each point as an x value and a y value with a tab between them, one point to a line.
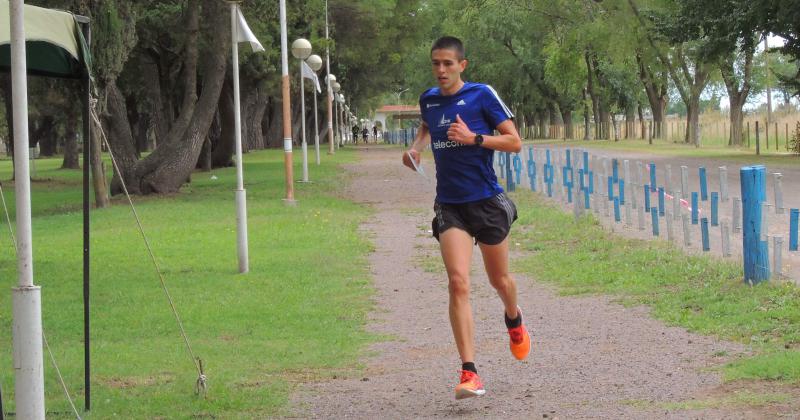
461	102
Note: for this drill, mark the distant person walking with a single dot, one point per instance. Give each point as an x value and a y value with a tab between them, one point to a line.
365	135
458	119
355	133
375	133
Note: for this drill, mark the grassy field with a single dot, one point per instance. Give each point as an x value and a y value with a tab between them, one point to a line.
296	316
701	294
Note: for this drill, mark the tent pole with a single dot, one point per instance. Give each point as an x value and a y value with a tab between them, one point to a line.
87	142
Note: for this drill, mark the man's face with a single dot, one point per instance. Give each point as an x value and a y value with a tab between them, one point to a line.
447	68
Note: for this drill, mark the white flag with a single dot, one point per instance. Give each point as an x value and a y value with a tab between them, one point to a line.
309	74
244	32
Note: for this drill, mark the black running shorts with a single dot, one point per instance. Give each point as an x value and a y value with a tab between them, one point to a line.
488	221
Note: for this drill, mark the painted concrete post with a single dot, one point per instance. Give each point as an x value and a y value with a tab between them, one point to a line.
617	216
621	184
794	215
641	217
647	197
777	253
502	163
661	201
687	233
670	233
703	184
509	175
518	167
714	208
704	232
685	181
726	239
653	184
654	218
755	250
723	184
778	187
737	214
695	208
531	169
676	205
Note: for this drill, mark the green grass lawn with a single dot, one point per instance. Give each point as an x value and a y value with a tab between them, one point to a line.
702	294
668	148
297	315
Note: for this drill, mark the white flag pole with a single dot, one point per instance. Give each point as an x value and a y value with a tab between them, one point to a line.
27	303
240	193
316	128
303	121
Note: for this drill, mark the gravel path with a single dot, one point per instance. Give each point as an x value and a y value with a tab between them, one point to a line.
591	358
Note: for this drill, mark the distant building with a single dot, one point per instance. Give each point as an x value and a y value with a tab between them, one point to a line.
388	115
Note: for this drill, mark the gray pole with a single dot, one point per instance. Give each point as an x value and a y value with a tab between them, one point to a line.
27	303
316	128
240	193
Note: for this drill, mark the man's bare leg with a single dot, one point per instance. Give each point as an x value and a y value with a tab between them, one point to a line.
495	260
456	247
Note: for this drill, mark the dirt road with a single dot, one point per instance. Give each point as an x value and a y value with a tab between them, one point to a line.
591	358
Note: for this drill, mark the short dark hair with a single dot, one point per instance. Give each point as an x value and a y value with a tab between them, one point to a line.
449	43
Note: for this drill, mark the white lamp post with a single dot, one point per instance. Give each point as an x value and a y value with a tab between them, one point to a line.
329	81
301	49
315	62
287	108
336	86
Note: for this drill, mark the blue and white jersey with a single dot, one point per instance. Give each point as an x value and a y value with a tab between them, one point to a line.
464	173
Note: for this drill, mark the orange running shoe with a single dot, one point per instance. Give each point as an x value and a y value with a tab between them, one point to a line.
520	342
470	386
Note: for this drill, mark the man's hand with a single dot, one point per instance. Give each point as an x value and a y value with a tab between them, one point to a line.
459	132
407	156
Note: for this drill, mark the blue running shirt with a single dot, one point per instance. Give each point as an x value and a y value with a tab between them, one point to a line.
464	173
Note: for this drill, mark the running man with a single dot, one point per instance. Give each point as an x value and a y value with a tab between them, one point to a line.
458	119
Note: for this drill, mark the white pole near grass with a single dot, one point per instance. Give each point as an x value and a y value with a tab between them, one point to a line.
241	194
27	302
301	49
778	185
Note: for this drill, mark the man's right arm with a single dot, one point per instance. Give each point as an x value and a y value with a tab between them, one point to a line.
421	141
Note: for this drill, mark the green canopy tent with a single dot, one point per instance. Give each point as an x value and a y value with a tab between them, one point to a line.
56	46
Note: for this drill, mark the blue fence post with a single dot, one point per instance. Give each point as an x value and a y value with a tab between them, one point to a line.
509	174
617	216
704	232
502	163
622	191
548	173
653	184
794	215
703	184
654	218
531	169
695	209
661	210
714	209
610	188
756	252
615	169
517	166
647	197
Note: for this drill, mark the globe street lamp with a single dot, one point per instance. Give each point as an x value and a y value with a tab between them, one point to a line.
315	62
301	49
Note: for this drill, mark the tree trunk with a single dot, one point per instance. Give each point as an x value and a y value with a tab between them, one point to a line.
737	120
45	136
587	122
738	97
566	118
255	137
593	95
693	121
222	152
171	164
101	198
641	119
657	95
118	132
71	160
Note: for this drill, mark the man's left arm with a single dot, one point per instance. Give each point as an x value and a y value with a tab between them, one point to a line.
507	141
